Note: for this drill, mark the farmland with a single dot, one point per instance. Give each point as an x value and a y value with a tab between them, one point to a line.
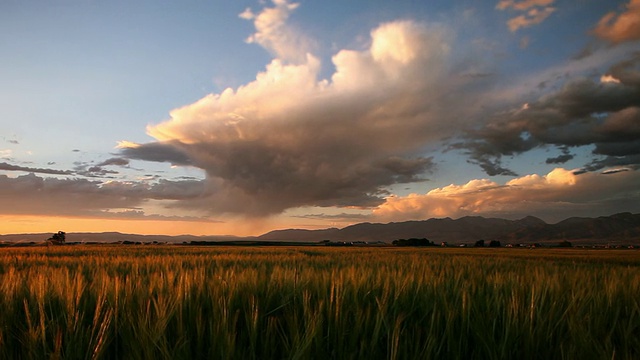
140	302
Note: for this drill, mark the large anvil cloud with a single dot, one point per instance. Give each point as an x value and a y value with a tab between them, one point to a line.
290	139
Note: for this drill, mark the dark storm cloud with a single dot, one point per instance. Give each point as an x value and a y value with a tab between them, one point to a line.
177	190
266	179
631	161
406	170
603	112
618	149
261	180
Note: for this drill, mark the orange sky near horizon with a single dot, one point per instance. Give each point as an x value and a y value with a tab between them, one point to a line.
41	224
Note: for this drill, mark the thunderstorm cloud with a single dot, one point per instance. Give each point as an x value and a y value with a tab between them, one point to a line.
294	137
290	139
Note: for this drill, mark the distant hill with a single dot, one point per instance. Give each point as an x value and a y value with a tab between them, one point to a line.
623	227
614	229
112	237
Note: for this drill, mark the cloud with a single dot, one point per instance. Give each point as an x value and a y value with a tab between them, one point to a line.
8	167
89	169
30	194
523	4
555	196
80	168
631	161
275	34
532	17
561	159
11	141
115	161
141	215
584	112
34	195
342	217
289	139
615	171
608	78
159	152
533	12
620	27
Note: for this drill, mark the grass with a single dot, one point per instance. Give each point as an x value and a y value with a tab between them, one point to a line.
161	302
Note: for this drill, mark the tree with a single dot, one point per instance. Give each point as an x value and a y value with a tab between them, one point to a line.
57	238
494	243
479	243
413	242
565	244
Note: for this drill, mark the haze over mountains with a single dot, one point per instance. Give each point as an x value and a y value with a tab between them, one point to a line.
618	228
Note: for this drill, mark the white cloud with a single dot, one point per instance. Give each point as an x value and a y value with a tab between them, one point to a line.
275	34
608	79
557	195
334	142
124	144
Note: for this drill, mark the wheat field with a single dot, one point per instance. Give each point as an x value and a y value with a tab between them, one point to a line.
182	302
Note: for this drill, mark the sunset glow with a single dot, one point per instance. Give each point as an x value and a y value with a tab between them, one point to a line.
243	117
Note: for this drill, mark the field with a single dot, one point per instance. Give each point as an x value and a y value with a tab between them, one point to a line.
179	302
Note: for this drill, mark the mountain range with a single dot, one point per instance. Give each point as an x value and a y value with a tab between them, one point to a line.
622	228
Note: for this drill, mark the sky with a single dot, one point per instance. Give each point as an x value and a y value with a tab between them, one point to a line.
240	117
